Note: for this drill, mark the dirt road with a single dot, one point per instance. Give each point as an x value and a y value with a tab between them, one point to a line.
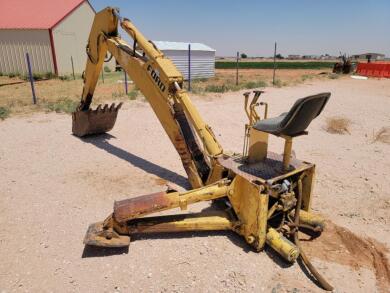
53	185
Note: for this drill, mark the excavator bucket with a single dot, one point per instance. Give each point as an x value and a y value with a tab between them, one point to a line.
100	120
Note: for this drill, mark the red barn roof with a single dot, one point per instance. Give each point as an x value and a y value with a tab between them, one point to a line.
35	14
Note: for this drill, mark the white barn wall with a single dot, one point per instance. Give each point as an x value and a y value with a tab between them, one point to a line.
74	29
202	62
14	43
70	38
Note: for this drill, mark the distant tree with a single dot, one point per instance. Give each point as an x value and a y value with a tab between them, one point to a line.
279	56
243	55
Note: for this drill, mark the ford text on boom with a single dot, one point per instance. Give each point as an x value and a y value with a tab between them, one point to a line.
156	78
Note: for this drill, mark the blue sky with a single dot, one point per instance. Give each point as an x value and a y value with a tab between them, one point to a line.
299	27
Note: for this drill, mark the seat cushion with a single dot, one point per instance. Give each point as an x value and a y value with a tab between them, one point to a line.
270	125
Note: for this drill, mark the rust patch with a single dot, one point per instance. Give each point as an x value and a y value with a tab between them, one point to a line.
160	181
132	208
338	244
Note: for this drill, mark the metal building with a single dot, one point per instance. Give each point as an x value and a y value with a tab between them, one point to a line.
371	56
53	33
202	58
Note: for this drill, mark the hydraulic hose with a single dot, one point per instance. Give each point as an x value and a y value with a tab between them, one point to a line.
321	280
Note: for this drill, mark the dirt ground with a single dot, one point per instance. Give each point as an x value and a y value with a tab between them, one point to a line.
53	185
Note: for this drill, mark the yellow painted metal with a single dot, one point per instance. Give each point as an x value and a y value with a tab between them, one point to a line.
262	215
258	145
203	130
180	223
251	208
288	250
287	152
310	219
169	75
307	188
216	172
255	142
137	70
105	24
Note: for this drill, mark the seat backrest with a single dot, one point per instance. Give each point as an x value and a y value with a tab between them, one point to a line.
302	113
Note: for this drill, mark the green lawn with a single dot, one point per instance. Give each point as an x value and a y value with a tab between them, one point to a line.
270	65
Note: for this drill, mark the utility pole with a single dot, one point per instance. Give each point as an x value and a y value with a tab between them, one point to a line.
189	67
273	77
238	56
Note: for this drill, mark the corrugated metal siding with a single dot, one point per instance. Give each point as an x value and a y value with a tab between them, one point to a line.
202	62
14	43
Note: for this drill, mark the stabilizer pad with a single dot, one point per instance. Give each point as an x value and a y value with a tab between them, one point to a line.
97	236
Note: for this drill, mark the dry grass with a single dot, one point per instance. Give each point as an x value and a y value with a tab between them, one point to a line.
60	95
338	125
383	135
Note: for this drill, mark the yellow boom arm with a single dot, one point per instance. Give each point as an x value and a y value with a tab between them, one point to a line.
160	82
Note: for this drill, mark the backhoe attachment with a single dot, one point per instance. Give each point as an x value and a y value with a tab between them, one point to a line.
263	196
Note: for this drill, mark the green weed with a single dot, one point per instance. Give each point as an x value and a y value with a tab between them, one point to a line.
333	76
63	105
133	94
254	84
4	112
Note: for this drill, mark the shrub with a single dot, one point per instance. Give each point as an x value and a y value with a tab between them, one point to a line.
203	79
244	56
133	94
338	125
4	112
38	76
254	84
118	94
1	74
214	88
49	75
107	69
278	83
383	135
306	76
65	77
279	56
63	105
197	90
333	76
12	74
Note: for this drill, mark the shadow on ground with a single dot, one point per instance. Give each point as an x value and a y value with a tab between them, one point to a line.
92	251
102	141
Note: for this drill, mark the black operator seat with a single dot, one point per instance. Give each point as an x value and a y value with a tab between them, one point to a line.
295	121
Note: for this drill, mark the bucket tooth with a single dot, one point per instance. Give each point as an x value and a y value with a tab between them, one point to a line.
99	108
119	106
96	121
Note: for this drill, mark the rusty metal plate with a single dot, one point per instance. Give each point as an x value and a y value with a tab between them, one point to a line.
97	236
128	209
100	120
